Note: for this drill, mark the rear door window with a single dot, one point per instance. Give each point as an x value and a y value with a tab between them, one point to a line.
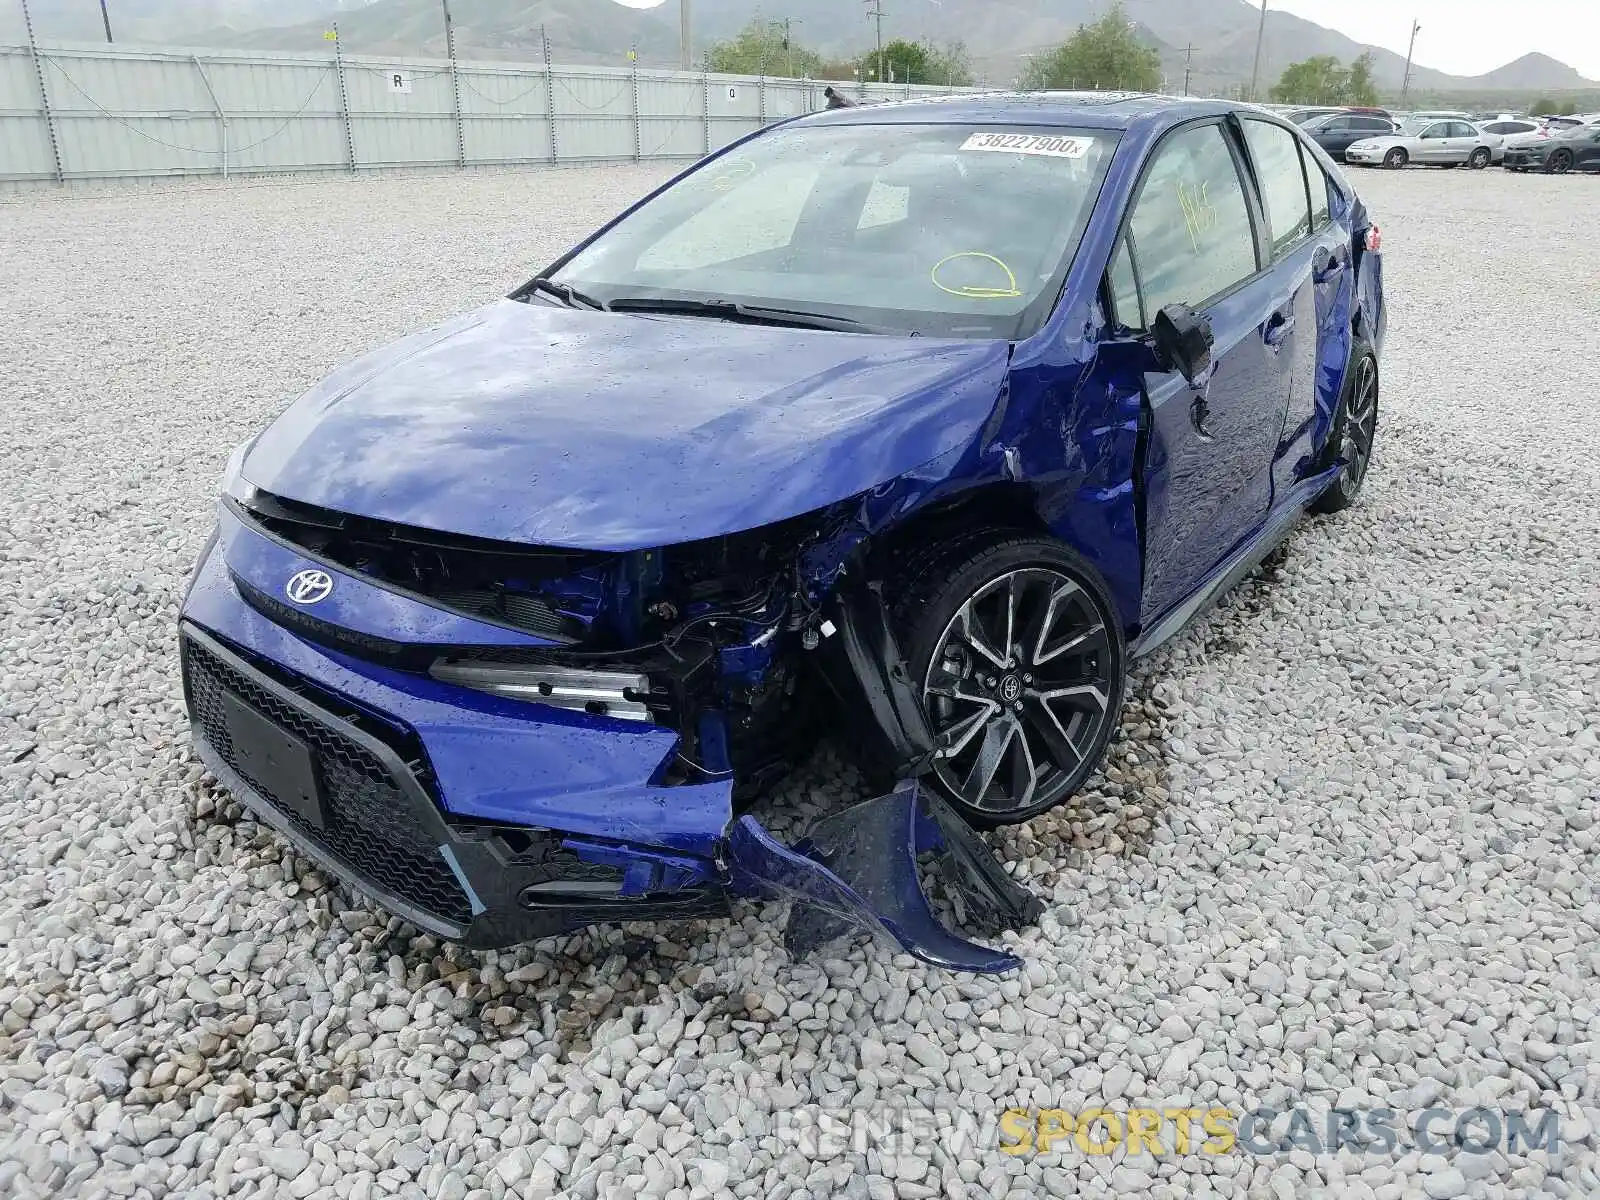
1193	238
1276	154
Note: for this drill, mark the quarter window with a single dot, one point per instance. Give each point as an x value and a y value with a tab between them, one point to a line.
1276	153
1317	184
1191	226
1125	289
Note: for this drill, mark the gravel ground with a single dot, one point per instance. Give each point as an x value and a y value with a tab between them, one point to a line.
1344	854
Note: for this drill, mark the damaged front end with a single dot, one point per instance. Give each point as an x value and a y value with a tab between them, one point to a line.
743	647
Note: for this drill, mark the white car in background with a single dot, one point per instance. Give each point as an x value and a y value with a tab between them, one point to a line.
1450	142
1511	131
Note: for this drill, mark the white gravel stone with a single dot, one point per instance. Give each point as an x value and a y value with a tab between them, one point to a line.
1346	849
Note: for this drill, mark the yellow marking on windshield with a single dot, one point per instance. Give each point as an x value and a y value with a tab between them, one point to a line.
977	293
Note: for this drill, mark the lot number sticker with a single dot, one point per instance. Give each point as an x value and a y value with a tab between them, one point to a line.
1052	145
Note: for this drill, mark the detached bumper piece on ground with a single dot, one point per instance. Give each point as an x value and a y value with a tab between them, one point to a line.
352	792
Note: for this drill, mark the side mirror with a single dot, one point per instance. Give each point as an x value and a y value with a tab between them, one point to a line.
1182	340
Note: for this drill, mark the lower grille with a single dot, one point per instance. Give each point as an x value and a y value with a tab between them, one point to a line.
371	824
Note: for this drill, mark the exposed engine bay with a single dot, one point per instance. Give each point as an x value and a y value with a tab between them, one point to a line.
726	640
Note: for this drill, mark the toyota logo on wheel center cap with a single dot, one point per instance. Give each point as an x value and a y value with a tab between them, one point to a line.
1010	689
308	587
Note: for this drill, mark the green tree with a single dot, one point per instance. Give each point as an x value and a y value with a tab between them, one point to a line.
1569	109
900	62
1543	108
950	65
1106	54
1319	80
1360	89
764	48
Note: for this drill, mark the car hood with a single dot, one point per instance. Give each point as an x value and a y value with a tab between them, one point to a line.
1386	140
532	423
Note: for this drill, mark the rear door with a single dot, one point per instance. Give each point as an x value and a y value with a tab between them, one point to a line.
1314	256
1193	236
1463	140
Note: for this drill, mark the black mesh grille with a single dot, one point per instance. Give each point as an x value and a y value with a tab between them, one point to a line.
371	825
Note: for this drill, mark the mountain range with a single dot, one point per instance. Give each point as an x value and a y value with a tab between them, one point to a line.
1213	41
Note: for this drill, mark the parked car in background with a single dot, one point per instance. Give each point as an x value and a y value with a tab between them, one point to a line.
1446	143
1336	132
1506	130
1569	150
1301	115
1440	114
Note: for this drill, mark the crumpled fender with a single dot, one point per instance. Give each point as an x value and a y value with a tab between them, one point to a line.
858	869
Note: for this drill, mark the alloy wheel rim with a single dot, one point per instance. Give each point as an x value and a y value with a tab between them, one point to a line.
1360	424
1559	162
1018	691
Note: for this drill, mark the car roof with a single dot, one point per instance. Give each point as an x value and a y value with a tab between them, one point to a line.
1089	110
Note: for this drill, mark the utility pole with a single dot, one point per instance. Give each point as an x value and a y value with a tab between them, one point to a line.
1188	66
106	17
1405	82
685	36
1261	35
875	11
786	25
455	83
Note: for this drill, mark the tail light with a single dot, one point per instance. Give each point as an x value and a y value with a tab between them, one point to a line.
1374	240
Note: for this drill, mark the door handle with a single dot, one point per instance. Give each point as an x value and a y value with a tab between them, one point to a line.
1278	328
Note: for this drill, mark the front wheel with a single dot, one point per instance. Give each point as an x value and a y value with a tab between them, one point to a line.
1560	162
1355	429
1480	158
1021	659
1396	158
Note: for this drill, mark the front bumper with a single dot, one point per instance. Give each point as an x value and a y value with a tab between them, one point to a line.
368	817
493	822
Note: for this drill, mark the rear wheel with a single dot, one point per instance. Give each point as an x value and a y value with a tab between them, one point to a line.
1560	162
1021	660
1396	158
1480	158
1355	428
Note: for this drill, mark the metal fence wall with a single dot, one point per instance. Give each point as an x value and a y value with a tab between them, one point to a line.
99	112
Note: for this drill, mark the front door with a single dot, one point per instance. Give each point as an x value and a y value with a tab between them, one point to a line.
1192	239
1434	144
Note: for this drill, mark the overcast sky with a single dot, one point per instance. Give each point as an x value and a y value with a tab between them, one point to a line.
1467	37
1464	37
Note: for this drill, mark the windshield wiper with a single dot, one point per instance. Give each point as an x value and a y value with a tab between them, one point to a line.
755	314
565	291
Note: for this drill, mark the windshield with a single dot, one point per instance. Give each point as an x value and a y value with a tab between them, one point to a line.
941	230
1413	126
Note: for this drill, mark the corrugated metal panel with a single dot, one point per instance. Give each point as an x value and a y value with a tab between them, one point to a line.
154	112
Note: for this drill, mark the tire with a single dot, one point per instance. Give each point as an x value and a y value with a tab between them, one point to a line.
1480	158
1022	726
1396	158
1354	430
1559	163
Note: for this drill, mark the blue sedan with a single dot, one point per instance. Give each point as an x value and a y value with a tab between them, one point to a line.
911	424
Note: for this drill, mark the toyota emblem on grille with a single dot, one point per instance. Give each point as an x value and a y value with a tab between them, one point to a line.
308	587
